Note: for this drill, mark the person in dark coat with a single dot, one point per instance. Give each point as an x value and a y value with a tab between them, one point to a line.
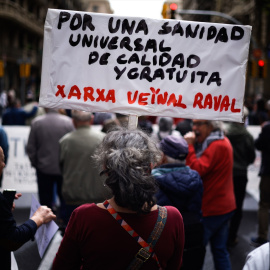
12	236
243	155
259	115
14	115
182	187
262	143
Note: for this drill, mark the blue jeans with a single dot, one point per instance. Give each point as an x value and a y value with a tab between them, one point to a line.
240	183
216	232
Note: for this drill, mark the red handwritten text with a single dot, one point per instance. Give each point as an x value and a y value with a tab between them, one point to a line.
155	98
89	93
217	102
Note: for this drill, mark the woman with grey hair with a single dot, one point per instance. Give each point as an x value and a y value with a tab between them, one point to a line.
97	231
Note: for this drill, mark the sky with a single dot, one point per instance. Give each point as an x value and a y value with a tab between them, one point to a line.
138	8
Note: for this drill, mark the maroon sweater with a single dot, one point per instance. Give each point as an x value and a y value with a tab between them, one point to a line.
94	240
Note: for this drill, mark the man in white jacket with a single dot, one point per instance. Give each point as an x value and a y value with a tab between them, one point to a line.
258	259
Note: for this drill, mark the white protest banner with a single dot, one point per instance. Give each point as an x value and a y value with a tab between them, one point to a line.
141	66
18	173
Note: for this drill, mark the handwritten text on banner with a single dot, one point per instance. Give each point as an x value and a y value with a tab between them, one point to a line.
140	66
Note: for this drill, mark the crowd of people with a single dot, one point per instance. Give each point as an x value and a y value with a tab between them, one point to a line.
174	189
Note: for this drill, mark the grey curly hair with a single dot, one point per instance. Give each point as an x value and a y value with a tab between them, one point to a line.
126	157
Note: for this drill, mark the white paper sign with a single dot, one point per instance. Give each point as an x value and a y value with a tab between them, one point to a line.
45	232
141	66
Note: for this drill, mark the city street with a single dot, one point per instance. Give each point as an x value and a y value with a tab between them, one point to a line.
187	60
28	258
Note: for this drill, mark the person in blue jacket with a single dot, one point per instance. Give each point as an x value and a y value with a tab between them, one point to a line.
15	115
182	187
262	143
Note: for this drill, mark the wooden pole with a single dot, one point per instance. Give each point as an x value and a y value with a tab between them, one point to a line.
132	121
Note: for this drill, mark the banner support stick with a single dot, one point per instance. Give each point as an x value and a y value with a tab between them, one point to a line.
132	121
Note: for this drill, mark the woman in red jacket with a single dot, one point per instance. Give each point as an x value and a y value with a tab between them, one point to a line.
211	155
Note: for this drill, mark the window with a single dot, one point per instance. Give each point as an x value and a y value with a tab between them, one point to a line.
95	8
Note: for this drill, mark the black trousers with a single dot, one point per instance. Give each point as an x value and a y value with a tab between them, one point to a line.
240	184
46	188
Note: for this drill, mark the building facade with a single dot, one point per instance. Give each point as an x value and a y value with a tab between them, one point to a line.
245	12
21	32
100	6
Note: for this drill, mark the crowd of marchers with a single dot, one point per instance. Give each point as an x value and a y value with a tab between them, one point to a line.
147	198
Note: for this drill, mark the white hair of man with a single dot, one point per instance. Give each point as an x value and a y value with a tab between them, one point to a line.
217	125
81	116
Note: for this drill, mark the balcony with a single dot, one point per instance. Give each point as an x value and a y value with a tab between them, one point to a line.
14	12
21	56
